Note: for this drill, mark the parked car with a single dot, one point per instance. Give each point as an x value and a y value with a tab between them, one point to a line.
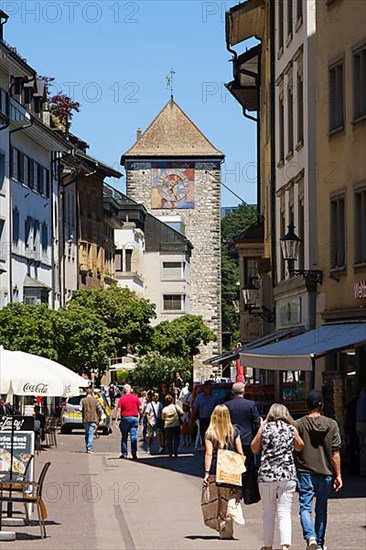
71	417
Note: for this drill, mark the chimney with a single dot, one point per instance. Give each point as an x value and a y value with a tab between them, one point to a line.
138	133
3	19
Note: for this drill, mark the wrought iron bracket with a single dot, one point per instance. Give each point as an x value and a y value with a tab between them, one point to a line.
268	315
313	276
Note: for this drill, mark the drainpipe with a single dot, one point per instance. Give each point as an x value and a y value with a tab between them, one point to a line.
273	143
11	132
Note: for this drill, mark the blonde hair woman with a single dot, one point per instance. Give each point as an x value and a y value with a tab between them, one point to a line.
220	505
277	439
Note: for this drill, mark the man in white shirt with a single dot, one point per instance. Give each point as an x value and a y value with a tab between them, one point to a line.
154	422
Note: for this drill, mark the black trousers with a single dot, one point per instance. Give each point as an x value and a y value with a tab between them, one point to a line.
204	424
172	439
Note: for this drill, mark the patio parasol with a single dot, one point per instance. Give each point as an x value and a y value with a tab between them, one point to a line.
26	374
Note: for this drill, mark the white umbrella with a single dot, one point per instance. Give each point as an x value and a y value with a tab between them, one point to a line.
26	374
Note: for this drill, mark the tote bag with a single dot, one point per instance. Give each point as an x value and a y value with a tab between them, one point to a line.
230	467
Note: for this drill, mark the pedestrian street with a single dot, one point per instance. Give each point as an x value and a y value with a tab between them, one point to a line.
99	501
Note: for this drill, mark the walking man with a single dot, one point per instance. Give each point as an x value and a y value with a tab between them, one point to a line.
177	385
316	464
244	414
129	410
91	413
202	408
154	423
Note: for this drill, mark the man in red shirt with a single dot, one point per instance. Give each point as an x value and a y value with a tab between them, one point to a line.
128	413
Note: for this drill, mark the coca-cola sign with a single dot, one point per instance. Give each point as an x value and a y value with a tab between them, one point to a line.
35	388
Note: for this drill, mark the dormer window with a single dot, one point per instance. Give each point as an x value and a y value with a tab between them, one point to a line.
27	95
17	86
37	104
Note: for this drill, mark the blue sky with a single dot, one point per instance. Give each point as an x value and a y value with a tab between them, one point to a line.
113	56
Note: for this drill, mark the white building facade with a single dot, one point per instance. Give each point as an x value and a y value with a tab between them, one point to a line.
296	172
29	153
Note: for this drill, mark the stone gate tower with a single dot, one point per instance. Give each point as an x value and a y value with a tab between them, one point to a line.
174	171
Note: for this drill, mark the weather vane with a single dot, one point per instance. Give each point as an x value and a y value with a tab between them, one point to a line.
169	81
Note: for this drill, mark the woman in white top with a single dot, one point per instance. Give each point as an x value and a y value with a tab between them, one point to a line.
171	416
277	439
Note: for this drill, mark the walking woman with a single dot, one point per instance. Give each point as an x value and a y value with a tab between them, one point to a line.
220	505
276	439
171	415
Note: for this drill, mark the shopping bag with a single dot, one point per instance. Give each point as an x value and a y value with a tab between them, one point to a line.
251	494
230	467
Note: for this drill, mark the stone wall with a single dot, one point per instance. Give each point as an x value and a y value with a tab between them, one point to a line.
203	229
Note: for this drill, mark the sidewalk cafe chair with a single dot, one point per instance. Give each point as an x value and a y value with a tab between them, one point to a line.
32	494
50	431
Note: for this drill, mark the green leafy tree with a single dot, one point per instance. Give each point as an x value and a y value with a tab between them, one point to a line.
83	340
232	225
29	328
154	370
237	221
182	336
126	316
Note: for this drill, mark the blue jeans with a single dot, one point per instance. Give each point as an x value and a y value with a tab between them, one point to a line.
310	486
89	434
129	425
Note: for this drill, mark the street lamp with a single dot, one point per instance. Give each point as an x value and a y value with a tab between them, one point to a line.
290	246
251	299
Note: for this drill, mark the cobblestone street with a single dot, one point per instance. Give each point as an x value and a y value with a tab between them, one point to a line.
98	501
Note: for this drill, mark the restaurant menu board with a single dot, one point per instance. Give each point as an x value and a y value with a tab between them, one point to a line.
23	448
16	423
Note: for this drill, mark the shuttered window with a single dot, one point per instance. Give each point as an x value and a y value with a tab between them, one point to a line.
172	270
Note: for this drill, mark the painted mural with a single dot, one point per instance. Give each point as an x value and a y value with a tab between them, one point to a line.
172	186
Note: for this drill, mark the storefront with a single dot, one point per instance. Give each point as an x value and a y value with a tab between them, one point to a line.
334	355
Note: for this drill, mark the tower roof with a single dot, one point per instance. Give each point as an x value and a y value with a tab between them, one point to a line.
172	134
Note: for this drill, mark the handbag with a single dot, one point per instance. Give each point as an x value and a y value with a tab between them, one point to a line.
229	468
159	421
179	416
251	494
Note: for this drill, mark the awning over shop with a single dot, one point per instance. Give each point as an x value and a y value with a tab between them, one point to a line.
223	358
233	354
297	353
123	366
273	337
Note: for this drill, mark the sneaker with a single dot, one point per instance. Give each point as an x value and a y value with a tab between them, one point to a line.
90	452
312	544
122	456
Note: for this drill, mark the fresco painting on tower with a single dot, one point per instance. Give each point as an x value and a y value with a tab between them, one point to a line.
172	185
